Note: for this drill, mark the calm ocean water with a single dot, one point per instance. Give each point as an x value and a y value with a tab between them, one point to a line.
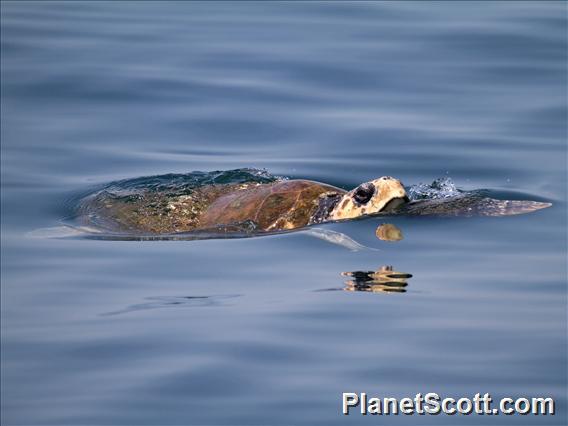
252	331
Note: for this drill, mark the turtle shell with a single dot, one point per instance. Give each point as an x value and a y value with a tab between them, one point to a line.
272	207
213	208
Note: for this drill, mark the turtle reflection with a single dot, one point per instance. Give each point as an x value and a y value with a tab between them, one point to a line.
383	280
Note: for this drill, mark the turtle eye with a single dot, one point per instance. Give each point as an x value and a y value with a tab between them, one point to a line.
363	193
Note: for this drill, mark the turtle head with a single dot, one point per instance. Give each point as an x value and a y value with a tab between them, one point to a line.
379	195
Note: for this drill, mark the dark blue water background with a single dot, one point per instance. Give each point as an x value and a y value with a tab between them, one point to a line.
240	331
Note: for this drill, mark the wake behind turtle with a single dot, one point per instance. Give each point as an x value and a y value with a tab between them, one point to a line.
251	202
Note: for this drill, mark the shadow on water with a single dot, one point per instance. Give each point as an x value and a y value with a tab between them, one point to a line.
384	280
158	302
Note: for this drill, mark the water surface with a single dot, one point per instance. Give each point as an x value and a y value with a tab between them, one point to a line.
251	331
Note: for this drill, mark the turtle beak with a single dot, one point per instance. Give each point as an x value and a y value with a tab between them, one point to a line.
395	203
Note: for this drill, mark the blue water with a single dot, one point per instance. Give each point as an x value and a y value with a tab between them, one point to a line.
251	331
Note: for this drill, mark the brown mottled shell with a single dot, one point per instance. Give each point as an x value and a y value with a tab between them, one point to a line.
272	207
275	206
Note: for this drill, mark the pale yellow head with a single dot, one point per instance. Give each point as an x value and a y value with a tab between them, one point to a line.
379	195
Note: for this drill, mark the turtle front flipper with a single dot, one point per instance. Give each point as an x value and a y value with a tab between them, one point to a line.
469	205
492	207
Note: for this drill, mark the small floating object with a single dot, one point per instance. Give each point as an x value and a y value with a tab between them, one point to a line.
383	280
388	232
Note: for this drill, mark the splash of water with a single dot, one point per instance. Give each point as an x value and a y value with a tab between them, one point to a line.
438	189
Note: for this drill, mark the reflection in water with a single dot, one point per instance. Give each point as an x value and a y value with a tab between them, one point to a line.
388	232
175	301
384	280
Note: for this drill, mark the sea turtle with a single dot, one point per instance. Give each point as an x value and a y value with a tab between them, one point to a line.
236	207
247	202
